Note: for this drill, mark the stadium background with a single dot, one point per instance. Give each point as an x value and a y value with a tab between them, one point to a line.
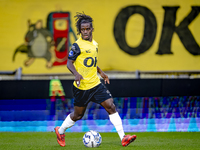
144	104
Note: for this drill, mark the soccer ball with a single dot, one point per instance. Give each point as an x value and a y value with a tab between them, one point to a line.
92	139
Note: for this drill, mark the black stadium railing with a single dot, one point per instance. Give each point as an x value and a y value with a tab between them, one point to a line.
15	85
36	89
137	74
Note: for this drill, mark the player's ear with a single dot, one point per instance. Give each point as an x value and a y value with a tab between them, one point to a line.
92	29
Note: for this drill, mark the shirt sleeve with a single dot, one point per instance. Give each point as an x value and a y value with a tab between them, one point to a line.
74	52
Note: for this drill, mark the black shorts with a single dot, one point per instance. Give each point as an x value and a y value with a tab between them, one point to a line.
97	94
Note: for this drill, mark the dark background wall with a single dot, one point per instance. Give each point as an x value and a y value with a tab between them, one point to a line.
37	89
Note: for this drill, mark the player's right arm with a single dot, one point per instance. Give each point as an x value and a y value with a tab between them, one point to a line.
73	54
71	68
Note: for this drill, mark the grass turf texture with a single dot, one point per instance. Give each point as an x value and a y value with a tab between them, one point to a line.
145	140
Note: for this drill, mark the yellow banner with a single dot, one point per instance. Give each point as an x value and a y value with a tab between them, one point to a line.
132	35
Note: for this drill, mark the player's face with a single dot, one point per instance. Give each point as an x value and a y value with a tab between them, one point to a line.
86	31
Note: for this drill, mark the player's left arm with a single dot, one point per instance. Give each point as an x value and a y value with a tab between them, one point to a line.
103	75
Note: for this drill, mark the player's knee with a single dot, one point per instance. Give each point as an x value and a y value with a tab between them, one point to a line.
77	117
111	109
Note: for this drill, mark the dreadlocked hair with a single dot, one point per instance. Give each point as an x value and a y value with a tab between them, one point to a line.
82	18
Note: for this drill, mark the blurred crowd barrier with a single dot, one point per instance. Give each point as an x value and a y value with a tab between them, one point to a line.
139	114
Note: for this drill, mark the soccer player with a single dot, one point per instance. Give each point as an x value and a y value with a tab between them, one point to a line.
82	62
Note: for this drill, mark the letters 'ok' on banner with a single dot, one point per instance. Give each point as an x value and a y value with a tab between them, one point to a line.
170	32
150	30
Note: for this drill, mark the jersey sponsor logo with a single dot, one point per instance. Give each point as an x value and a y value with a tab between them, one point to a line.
89	62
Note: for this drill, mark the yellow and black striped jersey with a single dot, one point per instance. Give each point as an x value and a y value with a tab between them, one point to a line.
84	53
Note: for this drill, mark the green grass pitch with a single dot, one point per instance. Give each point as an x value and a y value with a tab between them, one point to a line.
144	141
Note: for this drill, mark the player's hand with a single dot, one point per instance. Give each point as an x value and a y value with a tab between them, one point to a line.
78	79
105	77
